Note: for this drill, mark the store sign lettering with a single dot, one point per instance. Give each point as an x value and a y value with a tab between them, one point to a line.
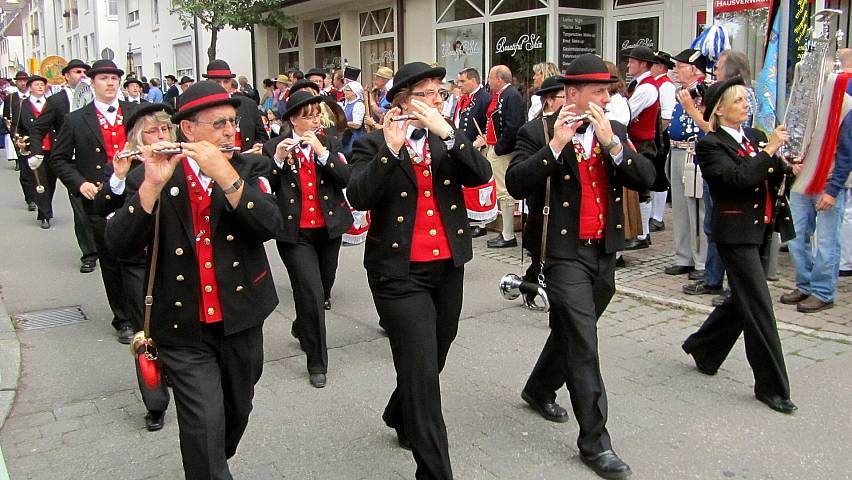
722	6
641	42
384	58
525	42
468	47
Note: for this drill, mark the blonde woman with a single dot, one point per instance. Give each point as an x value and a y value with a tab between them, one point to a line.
541	71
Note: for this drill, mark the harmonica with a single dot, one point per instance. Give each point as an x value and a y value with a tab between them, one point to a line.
401	118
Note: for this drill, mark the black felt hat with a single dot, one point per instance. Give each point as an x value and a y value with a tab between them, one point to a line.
35	78
298	100
144	110
587	68
104	67
664	58
218	69
201	96
550	85
714	94
185	79
351	73
132	80
75	63
22	75
316	71
642	53
412	73
692	57
303	84
174	79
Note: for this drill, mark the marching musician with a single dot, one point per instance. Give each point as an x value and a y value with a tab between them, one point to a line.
249	134
48	124
308	179
410	176
31	110
81	158
586	166
133	87
11	114
213	287
668	98
744	175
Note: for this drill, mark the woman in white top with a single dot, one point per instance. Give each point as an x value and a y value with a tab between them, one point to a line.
540	72
355	110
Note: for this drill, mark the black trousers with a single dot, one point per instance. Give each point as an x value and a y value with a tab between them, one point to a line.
312	266
421	317
27	180
44	200
751	314
579	292
213	384
113	277
83	229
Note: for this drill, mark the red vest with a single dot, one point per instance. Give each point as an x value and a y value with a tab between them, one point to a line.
45	142
429	241
113	135
594	188
644	127
311	215
464	102
490	134
660	81
209	306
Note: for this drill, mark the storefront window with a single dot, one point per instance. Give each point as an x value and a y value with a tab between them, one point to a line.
377	22
452	10
288	61
376	53
578	35
587	4
633	33
288	49
327	58
460	48
327	31
509	6
519	44
327	42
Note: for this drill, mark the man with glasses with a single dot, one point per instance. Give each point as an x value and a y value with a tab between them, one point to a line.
213	287
82	159
250	134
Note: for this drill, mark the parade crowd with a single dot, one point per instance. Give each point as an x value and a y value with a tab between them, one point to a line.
175	189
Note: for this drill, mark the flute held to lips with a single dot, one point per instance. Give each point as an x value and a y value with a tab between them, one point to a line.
166	151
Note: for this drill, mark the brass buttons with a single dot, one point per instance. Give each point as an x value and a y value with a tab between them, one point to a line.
179	278
453	207
427	194
289	217
331	213
208	265
384	159
567	177
97	167
292	200
446	182
565	204
130	209
208	288
394	245
178	251
239	288
618	227
426	173
250	205
400	219
207	241
211	311
403	194
436	252
770	170
325	197
229	238
178	304
563	232
235	264
460	231
433	232
430	212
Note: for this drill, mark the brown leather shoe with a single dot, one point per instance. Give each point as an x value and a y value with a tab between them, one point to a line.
793	297
812	305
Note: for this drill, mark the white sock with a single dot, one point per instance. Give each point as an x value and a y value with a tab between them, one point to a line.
508	214
645	210
658	200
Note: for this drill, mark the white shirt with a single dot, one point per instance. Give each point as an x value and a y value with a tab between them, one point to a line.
417	145
103	107
735	134
619	109
535	107
134	100
358	112
586	139
668	98
40	105
69	92
306	151
643	97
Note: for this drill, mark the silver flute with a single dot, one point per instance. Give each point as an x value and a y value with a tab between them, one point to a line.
167	151
298	143
400	118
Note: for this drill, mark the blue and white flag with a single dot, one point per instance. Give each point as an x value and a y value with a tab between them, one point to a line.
711	42
767	82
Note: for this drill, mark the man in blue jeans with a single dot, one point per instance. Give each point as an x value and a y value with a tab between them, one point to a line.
817	270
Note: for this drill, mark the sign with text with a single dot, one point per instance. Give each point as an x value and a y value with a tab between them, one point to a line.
723	6
578	35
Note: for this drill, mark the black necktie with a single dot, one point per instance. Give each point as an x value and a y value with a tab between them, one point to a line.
418	133
631	86
111	109
582	128
38	100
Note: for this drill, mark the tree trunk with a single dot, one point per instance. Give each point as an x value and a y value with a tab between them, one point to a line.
211	51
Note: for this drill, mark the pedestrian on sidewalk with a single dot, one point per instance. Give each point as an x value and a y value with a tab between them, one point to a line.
213	287
744	175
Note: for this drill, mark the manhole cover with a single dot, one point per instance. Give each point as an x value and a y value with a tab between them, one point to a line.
56	317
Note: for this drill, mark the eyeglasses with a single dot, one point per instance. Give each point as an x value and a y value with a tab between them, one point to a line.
432	93
560	96
220	123
161	129
310	117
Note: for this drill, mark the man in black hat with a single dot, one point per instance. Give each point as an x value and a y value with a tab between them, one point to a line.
585	166
690	241
31	109
666	90
11	109
207	317
172	92
81	158
133	88
48	125
250	134
410	175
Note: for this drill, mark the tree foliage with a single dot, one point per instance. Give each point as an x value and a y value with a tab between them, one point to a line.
214	15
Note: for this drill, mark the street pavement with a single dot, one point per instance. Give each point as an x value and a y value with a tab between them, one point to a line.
77	413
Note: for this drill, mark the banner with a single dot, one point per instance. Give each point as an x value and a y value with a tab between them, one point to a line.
766	88
723	6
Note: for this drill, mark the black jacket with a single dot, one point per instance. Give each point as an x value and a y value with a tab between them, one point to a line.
247	292
738	186
533	163
171	96
251	125
331	179
477	110
385	185
507	119
79	154
11	108
50	121
26	121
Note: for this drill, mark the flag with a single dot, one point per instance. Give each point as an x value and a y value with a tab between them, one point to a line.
711	42
766	88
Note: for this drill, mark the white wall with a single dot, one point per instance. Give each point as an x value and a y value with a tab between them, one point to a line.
11	53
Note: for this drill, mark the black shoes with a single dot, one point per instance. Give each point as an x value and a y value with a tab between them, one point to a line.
696	275
476	232
125	334
620	263
845	273
31	206
607	465
293	331
701	288
656	225
154	421
699	363
637	244
778	403
317	380
678	269
500	242
549	410
88	266
45	224
725	298
326	305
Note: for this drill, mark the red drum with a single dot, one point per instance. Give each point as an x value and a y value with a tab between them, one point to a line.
481	202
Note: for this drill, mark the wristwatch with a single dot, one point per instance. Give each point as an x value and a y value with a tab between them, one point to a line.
451	135
234	187
615	141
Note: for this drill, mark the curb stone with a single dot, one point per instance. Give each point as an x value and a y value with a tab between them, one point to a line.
10	363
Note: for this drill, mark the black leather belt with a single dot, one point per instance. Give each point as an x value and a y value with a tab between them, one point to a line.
591	242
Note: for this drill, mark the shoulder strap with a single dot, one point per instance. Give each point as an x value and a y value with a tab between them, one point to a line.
152	271
546	209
